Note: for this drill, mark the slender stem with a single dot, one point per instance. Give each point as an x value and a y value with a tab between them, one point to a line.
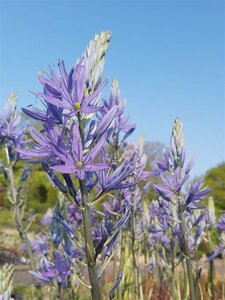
223	278
185	282
211	271
178	285
146	271
121	288
187	255
173	281
19	224
160	282
154	277
122	261
197	291
135	264
89	245
90	252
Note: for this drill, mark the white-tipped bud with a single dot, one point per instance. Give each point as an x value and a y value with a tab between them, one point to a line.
12	96
115	94
115	91
94	59
212	214
6	273
10	105
178	135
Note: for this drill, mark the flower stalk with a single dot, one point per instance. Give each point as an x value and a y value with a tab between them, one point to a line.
15	200
187	254
89	245
211	270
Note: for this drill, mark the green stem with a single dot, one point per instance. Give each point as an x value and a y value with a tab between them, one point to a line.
187	255
197	291
135	264
19	224
211	271
122	260
223	278
89	246
173	280
185	282
146	271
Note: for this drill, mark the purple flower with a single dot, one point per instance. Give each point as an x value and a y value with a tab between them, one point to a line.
74	215
121	121
159	237
42	116
76	161
66	227
115	286
38	245
47	218
112	206
196	193
169	164
58	270
116	180
154	209
105	125
221	223
44	143
10	121
171	185
54	180
67	91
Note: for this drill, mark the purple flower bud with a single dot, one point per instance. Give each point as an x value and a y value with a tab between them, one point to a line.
118	279
55	180
221	223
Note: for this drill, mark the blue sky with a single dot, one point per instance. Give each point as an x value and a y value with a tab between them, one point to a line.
167	55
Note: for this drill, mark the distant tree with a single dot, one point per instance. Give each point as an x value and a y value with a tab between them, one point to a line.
215	179
154	150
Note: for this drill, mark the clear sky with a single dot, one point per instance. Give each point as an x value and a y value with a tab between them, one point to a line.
167	55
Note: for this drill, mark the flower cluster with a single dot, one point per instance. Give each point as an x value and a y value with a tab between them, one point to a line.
178	221
73	145
10	121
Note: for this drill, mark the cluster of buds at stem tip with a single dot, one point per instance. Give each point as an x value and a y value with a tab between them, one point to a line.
6	273
95	59
177	140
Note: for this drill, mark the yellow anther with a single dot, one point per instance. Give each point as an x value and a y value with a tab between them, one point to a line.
79	164
77	105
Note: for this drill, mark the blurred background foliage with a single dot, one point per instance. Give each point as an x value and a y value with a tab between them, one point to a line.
215	179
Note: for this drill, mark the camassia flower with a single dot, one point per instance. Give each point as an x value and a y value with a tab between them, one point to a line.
67	91
121	120
77	130
58	270
221	223
76	161
118	178
44	142
10	128
171	185
196	193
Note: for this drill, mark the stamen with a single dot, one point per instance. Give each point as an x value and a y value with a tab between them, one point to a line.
77	105
79	164
172	188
